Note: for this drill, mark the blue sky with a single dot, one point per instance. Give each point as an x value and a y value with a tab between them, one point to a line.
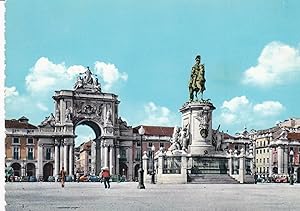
144	53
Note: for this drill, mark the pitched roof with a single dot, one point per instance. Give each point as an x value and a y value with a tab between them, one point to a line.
155	130
293	136
13	123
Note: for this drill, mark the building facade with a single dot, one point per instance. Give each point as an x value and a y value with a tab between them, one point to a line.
21	146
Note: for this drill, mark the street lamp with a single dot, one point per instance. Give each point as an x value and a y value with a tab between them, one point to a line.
153	172
291	168
141	170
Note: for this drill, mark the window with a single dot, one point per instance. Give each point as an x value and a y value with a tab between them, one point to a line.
267	169
267	150
236	147
90	160
30	153
264	160
138	155
16	140
264	169
260	151
256	160
48	153
268	142
122	153
138	144
257	151
267	160
16	153
161	145
30	141
264	151
90	153
260	160
150	144
264	143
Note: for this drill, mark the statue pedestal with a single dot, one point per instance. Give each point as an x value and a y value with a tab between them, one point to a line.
198	115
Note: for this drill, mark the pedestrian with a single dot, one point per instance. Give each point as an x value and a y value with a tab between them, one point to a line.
63	177
255	177
105	176
77	176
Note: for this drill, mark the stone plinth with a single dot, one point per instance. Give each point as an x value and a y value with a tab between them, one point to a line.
198	117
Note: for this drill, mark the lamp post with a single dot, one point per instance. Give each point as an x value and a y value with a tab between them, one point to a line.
153	171
291	168
141	170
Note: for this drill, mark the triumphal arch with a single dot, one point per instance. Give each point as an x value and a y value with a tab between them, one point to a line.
85	105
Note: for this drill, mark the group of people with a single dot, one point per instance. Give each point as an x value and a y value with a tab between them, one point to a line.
104	176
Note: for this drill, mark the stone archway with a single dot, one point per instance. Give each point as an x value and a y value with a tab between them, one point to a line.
47	171
123	170
95	144
86	104
17	169
30	169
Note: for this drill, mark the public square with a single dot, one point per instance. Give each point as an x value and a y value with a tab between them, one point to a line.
125	196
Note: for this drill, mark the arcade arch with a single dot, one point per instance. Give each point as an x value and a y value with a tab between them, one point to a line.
17	169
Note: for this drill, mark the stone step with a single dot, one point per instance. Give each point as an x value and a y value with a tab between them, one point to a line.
212	179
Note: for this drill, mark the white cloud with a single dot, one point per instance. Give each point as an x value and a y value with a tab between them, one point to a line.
110	74
269	108
236	103
11	91
41	106
158	115
45	75
240	111
277	63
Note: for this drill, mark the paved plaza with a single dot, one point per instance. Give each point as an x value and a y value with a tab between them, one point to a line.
125	196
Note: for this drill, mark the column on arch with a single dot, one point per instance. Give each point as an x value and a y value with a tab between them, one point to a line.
61	154
57	158
285	160
111	163
40	160
71	163
270	161
66	153
105	154
280	159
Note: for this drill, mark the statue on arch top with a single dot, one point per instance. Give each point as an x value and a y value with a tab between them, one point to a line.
197	80
87	81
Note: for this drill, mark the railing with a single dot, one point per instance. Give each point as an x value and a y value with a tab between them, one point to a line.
209	166
172	165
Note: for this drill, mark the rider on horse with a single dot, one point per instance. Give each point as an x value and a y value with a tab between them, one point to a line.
197	81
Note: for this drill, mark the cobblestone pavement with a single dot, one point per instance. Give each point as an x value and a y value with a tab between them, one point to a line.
126	196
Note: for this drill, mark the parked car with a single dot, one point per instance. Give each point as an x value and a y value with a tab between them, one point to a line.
282	179
94	179
51	179
32	179
84	178
69	179
24	179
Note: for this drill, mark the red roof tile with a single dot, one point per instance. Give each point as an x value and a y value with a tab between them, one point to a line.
13	123
294	136
156	130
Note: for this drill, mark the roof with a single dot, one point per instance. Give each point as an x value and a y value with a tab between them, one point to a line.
13	123
155	130
293	136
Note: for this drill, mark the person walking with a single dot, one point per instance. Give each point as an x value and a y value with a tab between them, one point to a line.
105	176
63	177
